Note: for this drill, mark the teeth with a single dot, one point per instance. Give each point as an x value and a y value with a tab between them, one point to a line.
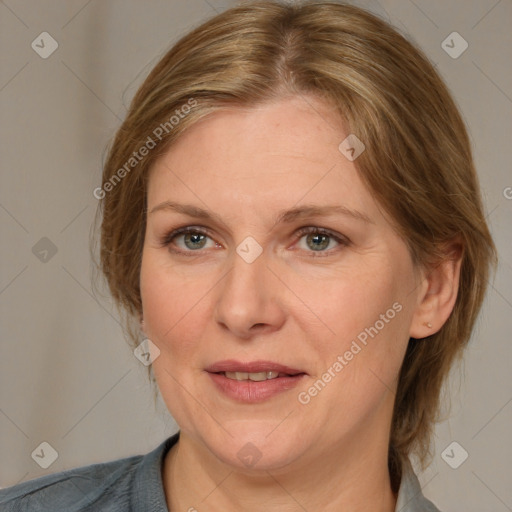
259	376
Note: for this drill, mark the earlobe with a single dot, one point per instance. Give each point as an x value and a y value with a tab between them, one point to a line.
438	294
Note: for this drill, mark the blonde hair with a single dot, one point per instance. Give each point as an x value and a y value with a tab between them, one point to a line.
417	163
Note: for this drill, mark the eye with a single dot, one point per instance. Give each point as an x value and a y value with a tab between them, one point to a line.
193	238
318	239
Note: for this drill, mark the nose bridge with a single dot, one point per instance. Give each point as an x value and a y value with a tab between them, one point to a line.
247	295
247	279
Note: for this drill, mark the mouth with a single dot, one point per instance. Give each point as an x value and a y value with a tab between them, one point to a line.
256	376
254	381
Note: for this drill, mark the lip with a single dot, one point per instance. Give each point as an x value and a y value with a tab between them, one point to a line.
249	391
232	365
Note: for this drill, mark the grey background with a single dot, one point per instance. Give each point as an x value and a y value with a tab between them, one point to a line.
67	377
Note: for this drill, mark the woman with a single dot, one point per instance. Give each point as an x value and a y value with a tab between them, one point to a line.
291	215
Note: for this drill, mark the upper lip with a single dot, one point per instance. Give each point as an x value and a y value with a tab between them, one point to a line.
232	365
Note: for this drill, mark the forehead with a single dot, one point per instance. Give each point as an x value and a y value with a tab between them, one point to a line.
271	156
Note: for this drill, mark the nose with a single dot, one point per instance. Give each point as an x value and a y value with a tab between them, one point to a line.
249	298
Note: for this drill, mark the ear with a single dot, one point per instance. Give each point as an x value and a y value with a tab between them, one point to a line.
438	293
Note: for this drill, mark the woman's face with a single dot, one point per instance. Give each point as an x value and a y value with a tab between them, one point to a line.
325	297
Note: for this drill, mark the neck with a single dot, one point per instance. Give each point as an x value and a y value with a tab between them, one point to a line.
342	478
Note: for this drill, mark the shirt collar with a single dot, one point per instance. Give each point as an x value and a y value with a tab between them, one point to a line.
410	496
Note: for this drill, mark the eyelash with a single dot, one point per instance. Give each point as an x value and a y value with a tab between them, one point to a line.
168	238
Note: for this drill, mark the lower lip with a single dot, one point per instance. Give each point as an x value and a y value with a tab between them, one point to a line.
249	391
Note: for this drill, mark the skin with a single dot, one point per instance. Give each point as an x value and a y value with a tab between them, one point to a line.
288	306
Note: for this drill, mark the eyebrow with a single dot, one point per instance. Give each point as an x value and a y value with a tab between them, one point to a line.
285	216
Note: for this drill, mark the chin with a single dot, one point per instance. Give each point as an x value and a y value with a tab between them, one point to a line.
257	446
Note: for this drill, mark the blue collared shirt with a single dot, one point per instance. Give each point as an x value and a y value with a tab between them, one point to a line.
134	484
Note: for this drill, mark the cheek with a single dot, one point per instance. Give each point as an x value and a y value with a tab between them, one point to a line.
365	316
348	304
172	308
172	316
